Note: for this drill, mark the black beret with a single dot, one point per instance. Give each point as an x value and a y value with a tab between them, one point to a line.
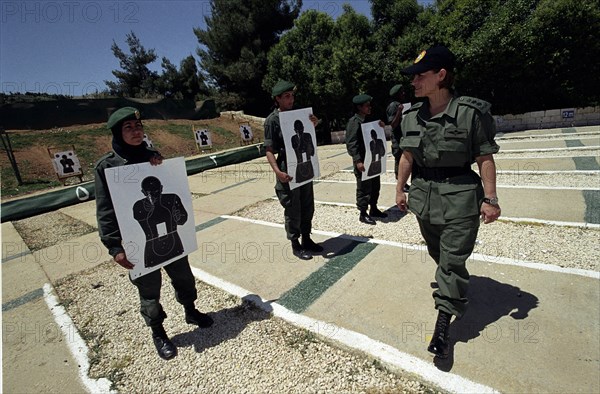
434	58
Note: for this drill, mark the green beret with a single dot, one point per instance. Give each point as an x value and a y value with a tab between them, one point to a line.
361	99
282	87
121	115
395	89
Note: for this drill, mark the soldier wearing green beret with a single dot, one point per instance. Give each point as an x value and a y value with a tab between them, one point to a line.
299	203
442	137
367	192
129	148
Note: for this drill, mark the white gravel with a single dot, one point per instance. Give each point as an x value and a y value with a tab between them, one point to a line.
548	244
245	351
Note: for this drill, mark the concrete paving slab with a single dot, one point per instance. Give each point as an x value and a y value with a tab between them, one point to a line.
257	258
61	260
86	212
580	163
589	141
36	357
536	203
526	330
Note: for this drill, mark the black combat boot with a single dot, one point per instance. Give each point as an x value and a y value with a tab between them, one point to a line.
376	213
365	218
299	251
439	344
194	316
165	348
310	245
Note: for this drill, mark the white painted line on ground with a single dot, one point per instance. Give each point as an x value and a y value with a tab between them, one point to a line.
76	344
587	147
386	353
528	172
542	157
543	187
542	136
475	256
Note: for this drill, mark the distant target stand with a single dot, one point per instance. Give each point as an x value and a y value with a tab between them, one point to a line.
66	164
246	135
202	138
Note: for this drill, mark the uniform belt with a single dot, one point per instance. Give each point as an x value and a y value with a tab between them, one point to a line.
439	173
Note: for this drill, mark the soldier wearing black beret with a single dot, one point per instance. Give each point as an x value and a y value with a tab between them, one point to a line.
443	135
129	148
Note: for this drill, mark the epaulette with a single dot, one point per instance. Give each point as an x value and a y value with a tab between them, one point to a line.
106	156
414	107
481	105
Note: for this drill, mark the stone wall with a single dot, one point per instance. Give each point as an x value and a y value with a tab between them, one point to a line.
549	119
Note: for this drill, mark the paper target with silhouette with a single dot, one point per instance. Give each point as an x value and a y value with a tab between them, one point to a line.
246	132
375	150
148	141
300	146
203	138
66	164
153	206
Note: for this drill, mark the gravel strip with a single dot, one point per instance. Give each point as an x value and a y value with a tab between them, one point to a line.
584	181
42	231
563	246
245	351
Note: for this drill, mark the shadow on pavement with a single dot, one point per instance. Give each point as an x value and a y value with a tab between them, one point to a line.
489	300
228	324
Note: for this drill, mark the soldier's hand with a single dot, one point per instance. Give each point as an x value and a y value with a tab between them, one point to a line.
121	259
313	119
382	124
400	109
156	160
489	213
360	166
401	201
284	177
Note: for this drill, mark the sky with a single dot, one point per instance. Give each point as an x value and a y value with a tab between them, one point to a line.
63	47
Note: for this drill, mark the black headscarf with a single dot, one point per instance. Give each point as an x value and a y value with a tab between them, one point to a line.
133	154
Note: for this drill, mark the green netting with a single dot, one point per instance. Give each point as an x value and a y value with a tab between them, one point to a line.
51	201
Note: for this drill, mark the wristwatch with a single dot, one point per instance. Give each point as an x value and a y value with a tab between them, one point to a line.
491	201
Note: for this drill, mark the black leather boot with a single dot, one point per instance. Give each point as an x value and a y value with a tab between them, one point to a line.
365	218
439	344
299	251
194	316
165	348
310	245
376	213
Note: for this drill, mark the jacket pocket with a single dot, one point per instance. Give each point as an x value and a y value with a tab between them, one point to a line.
417	196
410	141
459	201
455	140
284	194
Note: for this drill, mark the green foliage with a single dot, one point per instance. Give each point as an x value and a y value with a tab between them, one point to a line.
234	49
185	83
521	55
135	79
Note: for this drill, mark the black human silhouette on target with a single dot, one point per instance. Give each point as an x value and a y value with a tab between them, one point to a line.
159	215
302	144
377	149
203	138
67	164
